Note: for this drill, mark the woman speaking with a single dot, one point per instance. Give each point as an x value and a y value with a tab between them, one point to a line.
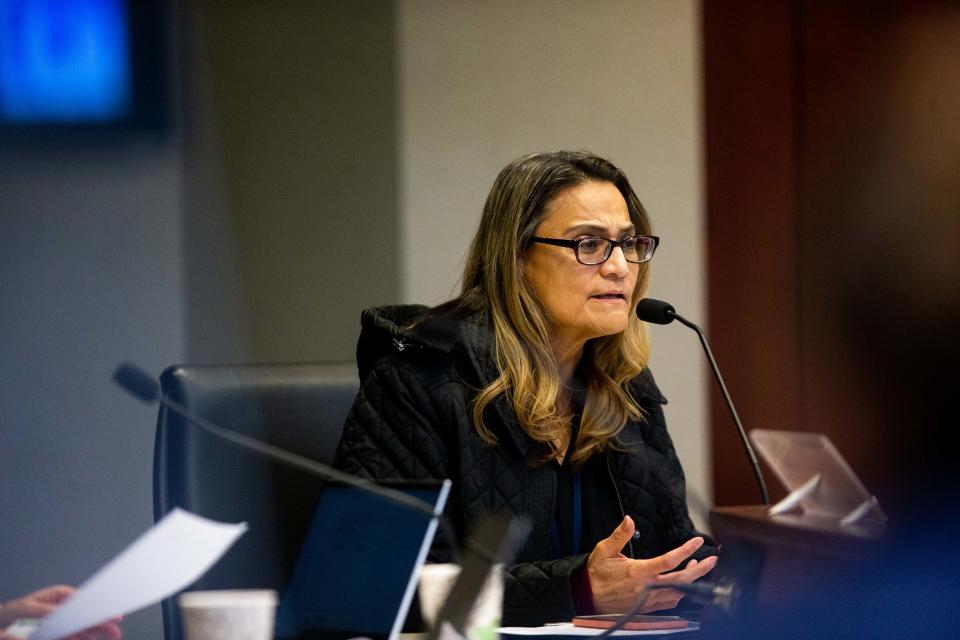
531	391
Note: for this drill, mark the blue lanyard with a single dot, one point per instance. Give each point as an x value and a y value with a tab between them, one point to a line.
577	514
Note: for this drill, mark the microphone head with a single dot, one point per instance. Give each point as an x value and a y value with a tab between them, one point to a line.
725	595
137	382
655	311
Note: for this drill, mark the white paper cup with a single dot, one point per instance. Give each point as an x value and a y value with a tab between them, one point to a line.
228	615
435	583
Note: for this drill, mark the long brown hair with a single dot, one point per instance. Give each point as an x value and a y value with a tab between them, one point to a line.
493	279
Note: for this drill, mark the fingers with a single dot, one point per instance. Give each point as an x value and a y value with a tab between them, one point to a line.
40	604
27	607
660	599
693	571
703	568
672	559
611	546
110	631
53	595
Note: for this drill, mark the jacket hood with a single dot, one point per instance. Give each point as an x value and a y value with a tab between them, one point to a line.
468	340
411	329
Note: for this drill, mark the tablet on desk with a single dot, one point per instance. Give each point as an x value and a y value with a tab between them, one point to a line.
357	569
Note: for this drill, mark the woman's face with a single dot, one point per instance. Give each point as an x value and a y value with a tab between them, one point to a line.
583	301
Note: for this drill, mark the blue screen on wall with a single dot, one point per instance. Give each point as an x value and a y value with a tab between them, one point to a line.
76	70
64	61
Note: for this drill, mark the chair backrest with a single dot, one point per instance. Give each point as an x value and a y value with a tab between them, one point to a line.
298	407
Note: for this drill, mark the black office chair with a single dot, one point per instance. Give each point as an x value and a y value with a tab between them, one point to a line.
298	407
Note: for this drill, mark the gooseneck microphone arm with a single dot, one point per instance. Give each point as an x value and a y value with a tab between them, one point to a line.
733	412
139	384
660	312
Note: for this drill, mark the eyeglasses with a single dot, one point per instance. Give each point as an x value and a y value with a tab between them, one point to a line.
593	250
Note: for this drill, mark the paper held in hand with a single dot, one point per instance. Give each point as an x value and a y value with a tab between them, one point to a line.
170	555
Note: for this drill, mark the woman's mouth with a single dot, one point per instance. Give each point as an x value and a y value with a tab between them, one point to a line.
610	296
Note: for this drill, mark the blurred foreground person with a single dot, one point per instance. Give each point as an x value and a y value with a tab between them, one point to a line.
897	298
894	297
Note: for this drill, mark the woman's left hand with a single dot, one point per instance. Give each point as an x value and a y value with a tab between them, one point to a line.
617	581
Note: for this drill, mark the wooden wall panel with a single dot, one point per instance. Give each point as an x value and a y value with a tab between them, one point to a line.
832	135
749	97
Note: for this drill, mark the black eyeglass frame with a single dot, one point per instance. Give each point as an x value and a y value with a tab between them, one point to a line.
611	244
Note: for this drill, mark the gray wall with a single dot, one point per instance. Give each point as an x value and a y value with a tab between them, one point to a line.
298	116
90	275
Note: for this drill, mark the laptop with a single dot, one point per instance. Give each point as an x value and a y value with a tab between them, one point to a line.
358	567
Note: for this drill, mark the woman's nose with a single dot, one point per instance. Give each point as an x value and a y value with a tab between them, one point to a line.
616	264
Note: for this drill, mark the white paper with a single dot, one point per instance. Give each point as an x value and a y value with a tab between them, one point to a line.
568	629
172	554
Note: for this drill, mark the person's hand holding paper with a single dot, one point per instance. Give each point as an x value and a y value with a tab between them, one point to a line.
169	556
42	603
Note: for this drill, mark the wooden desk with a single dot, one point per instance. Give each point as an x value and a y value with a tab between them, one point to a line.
774	557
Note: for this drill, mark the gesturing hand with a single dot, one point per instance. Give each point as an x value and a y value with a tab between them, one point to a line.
617	581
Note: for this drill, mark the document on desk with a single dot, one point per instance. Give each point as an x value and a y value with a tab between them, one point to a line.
569	630
172	554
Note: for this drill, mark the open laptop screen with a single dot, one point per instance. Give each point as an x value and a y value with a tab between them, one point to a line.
357	569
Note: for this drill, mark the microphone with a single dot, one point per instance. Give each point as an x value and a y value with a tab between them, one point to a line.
660	312
656	311
142	386
724	595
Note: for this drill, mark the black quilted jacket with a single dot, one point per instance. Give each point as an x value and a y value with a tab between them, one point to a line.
411	420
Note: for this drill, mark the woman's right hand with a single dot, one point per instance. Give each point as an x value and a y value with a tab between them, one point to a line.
617	581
